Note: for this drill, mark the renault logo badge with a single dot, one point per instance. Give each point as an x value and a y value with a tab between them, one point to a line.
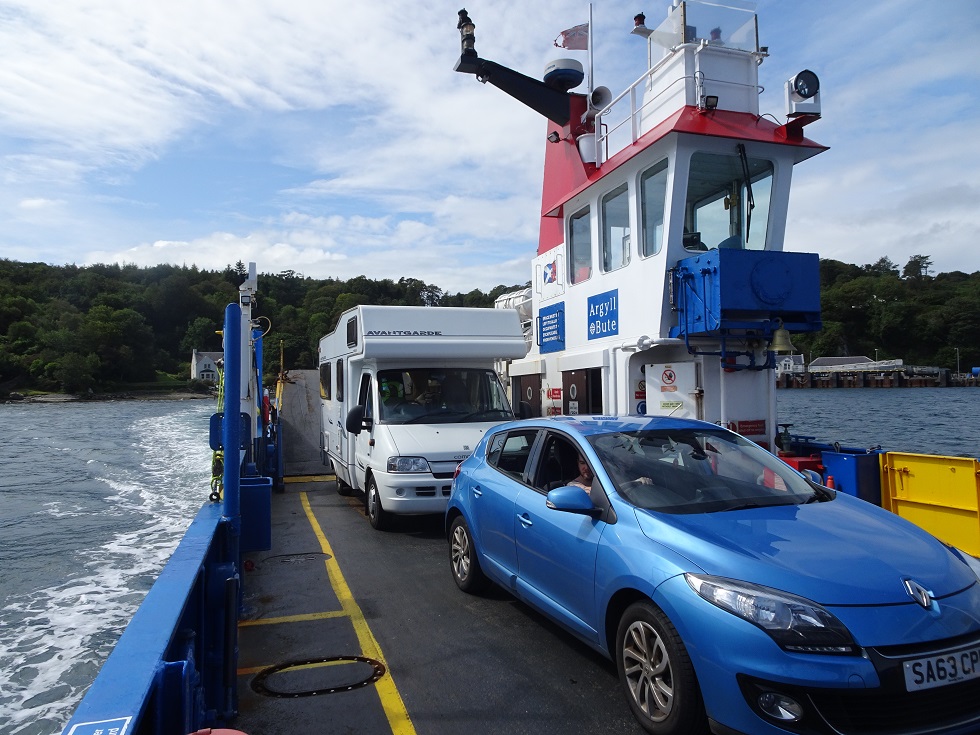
918	593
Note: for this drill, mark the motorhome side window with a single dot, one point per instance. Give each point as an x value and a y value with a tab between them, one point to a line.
340	380
615	213
653	196
579	247
352	332
509	452
325	381
364	397
727	201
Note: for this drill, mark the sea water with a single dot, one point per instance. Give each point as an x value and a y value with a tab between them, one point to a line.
942	421
94	497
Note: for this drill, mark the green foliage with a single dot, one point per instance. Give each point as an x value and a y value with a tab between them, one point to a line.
109	327
105	326
905	314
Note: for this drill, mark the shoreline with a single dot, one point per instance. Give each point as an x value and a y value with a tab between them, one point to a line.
136	395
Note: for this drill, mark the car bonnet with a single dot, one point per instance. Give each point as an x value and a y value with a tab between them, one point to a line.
844	552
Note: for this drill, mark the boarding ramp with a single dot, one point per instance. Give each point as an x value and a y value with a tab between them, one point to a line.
299	412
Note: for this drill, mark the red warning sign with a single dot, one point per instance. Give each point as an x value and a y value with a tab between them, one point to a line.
669	377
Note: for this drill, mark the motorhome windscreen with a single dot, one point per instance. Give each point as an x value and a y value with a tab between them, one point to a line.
441	396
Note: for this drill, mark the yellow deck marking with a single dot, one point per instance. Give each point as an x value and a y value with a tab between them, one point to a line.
391	701
308	478
293	618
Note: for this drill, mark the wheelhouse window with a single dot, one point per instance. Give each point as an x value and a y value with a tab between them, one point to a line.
727	201
579	247
653	197
615	213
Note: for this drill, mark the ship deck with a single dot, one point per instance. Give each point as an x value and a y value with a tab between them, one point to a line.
346	629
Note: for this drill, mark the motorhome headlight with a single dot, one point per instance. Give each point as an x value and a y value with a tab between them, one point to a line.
795	623
407	464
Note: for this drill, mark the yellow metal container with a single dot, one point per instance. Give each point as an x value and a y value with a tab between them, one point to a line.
939	494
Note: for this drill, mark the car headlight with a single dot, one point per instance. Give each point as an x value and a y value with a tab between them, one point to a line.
795	623
407	464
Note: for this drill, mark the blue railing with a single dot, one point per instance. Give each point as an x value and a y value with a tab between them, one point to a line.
174	669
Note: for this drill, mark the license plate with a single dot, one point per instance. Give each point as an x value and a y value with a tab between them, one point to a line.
950	667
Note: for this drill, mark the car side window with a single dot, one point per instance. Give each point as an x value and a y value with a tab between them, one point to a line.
558	465
509	451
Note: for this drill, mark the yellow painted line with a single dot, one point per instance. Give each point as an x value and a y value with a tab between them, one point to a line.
308	478
293	618
391	700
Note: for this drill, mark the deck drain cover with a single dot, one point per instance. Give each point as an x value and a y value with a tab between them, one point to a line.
260	686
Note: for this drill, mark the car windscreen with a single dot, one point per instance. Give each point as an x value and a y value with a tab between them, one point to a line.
696	471
441	396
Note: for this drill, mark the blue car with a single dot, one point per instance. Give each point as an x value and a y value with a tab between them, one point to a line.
734	594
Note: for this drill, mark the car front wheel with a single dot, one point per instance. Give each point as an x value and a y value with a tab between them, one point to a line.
462	558
657	674
378	516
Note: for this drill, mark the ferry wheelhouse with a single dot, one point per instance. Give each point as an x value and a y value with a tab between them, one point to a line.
660	284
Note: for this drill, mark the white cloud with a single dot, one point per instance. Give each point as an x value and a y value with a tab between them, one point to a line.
399	166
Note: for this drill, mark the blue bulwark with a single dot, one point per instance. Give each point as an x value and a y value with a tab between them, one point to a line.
551	328
118	726
604	314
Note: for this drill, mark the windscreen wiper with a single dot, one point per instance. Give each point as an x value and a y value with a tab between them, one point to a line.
748	190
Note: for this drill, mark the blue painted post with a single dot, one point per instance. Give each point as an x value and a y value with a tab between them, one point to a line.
231	429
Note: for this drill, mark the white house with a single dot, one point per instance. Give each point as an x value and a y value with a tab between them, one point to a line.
204	366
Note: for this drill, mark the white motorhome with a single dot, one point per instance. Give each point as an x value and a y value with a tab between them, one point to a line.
406	393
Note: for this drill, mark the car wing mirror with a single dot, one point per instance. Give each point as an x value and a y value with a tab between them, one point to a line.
572	499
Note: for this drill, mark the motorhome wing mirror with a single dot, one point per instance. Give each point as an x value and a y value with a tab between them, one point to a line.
524	410
355	420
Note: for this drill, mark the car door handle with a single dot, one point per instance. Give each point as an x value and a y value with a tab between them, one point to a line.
525	520
477	491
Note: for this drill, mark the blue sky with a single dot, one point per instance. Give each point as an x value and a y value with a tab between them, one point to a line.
335	140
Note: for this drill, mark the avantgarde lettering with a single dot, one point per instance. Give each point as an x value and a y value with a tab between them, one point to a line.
404	333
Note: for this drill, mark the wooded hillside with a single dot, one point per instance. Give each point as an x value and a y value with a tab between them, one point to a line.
106	327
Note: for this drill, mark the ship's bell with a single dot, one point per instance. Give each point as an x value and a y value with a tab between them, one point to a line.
780	341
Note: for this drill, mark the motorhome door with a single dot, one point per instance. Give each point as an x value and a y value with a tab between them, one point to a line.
364	440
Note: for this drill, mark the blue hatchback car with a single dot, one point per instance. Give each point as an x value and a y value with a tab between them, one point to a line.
734	594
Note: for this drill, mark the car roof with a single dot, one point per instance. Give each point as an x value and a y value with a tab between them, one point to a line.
590	425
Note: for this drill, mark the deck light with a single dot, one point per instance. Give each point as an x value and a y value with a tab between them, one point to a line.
553	137
711	102
467	33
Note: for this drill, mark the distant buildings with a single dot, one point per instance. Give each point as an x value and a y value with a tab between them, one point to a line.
204	366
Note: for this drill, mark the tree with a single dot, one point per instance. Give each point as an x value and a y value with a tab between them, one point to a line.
918	267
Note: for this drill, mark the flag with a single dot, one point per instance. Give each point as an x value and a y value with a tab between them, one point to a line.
551	272
575	39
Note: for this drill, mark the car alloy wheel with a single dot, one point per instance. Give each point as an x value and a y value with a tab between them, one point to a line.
657	674
465	566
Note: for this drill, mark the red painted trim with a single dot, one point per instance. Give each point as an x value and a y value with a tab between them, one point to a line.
565	176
